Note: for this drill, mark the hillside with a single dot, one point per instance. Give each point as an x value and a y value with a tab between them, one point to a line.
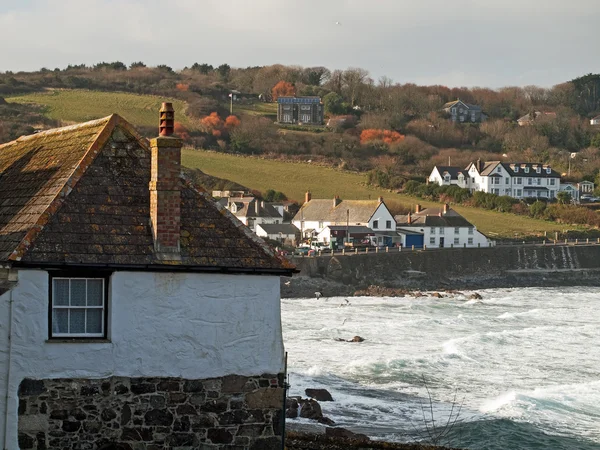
294	179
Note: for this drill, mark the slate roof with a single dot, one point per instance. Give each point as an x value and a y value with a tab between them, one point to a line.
468	105
79	196
452	171
246	207
323	210
352	229
431	217
527	117
490	166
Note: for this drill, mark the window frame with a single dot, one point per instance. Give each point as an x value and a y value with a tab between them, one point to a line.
388	224
376	224
79	274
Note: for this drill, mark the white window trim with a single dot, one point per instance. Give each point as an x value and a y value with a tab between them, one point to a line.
102	307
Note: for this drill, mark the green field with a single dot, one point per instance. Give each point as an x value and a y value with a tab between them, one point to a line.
80	106
256	109
294	179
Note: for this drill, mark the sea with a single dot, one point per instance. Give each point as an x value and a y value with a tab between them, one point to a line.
516	369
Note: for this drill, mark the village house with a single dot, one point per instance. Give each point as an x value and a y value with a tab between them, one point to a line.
136	312
463	112
447	175
585	187
529	119
283	233
595	120
316	214
571	189
252	211
442	227
300	110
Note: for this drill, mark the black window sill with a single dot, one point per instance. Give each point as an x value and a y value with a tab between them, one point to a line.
78	341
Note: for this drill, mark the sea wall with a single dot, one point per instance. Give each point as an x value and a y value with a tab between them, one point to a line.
454	268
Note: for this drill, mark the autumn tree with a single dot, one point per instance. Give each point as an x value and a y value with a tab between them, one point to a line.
386	136
283	89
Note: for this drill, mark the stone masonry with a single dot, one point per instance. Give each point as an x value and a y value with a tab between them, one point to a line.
232	412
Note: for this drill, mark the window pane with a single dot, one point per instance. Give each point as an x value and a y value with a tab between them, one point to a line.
94	321
94	292
77	293
60	321
60	295
77	317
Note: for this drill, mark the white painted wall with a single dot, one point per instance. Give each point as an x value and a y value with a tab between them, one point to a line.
449	234
382	215
193	326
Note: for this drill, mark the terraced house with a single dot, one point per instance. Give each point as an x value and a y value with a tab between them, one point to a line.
135	312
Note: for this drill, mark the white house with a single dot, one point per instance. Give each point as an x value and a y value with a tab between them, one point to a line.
285	233
595	120
585	187
518	180
447	175
253	212
442	227
134	311
316	214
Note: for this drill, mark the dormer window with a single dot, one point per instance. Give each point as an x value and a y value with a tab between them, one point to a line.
548	170
526	169
516	169
538	169
447	177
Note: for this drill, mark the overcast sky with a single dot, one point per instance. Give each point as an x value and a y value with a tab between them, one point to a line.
490	43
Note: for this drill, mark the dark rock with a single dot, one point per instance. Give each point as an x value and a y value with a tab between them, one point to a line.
278	419
182	424
182	440
219	436
356	339
137	434
321	395
159	417
177	397
108	415
125	415
233	417
215	406
143	388
233	384
193	386
41	440
157	401
78	414
269	443
121	389
197	399
105	388
71	426
31	387
25	441
168	386
252	431
475	296
437	295
203	421
345	434
89	390
59	414
310	410
291	413
92	427
22	406
326	421
43	408
236	404
186	410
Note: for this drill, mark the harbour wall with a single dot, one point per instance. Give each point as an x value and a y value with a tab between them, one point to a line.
444	269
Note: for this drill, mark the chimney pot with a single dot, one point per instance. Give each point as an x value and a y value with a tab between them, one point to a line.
446	208
336	201
409	218
166	123
380	199
307	197
417	208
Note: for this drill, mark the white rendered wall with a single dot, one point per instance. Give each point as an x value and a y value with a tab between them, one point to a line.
193	326
382	214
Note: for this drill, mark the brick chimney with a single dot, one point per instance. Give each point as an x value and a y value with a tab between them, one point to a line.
409	218
417	208
380	199
165	188
446	208
336	200
307	197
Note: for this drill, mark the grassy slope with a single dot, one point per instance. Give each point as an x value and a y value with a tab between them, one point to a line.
295	179
82	105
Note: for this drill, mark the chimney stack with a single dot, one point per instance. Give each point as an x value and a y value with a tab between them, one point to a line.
380	199
409	218
446	208
336	201
165	188
417	208
307	197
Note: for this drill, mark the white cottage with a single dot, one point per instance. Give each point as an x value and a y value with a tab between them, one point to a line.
317	214
442	227
134	311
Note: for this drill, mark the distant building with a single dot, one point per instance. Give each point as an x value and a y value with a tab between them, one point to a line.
300	110
528	119
446	175
284	233
570	189
595	120
585	187
252	211
464	112
223	194
442	227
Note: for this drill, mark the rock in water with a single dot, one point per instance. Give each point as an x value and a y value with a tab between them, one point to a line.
346	434
310	409
437	295
475	296
326	421
321	395
356	339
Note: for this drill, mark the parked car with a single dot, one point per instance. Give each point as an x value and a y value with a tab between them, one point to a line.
301	251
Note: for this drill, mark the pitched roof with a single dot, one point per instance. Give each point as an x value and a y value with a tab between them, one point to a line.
490	166
79	196
433	217
323	210
468	105
527	117
276	228
247	207
452	171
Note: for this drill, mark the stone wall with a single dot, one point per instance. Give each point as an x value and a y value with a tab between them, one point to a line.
232	412
451	268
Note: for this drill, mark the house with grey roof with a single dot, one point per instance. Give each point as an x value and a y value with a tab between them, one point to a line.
463	112
442	227
284	233
447	175
317	214
530	118
518	180
252	211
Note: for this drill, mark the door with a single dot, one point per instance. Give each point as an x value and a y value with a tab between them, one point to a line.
441	242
